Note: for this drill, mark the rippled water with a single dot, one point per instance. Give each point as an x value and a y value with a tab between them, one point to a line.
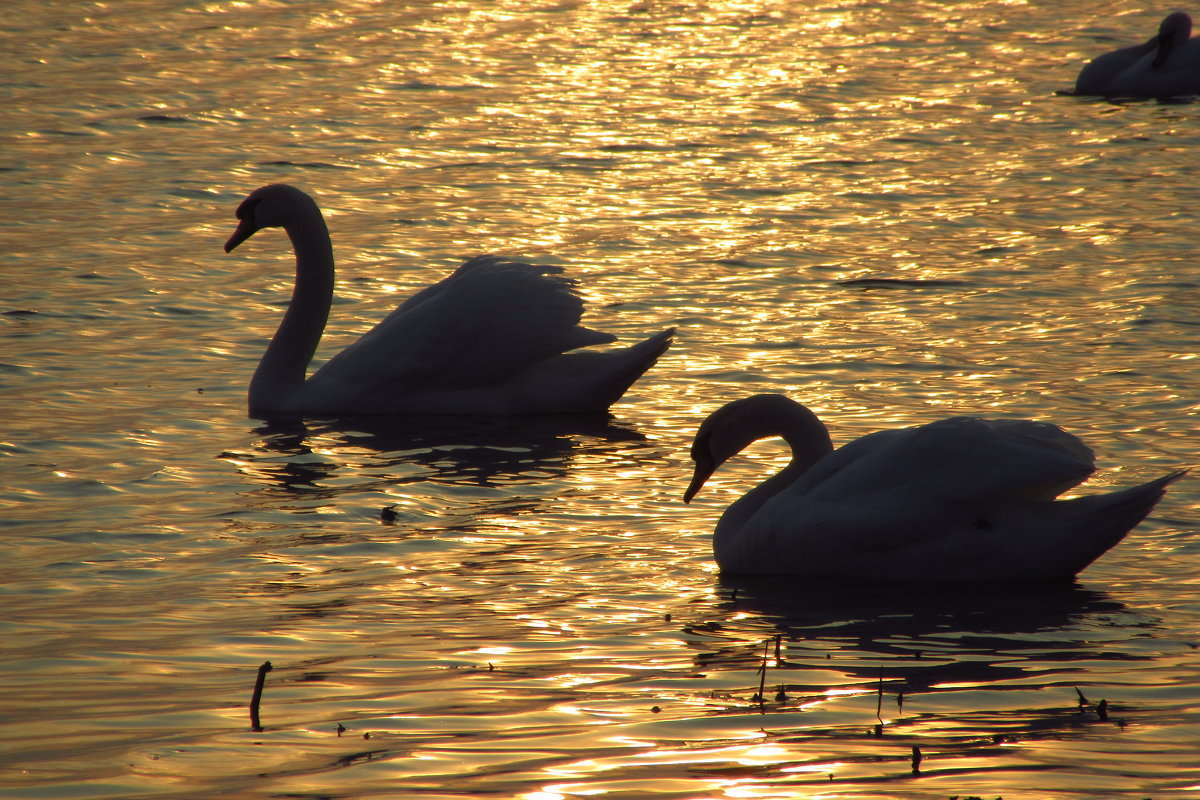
883	209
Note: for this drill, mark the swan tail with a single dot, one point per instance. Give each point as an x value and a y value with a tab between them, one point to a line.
630	364
1104	520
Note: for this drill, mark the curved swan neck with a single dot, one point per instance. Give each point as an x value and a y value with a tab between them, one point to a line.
809	441
281	372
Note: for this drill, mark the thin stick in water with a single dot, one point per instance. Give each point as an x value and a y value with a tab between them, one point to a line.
256	698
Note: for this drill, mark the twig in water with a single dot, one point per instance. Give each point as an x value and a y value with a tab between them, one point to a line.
256	698
879	698
762	677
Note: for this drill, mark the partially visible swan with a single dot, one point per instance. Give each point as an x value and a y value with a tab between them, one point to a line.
1166	65
492	338
961	499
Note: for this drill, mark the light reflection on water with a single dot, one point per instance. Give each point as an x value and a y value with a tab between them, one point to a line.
881	209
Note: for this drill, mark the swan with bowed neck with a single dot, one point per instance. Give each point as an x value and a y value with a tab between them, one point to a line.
961	499
492	338
1166	65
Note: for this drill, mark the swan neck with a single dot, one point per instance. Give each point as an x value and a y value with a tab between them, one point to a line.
281	373
809	441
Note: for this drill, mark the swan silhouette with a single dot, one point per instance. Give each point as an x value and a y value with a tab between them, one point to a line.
1166	65
492	338
961	499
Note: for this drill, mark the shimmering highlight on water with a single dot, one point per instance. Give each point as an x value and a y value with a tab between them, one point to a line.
883	210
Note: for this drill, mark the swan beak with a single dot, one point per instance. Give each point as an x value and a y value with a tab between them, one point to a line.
704	468
245	229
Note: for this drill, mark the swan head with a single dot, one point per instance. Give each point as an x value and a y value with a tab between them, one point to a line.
271	206
1176	28
734	426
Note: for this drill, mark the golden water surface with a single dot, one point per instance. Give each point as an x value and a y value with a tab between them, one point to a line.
884	209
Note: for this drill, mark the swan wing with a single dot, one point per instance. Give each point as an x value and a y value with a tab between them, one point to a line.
1178	75
961	460
487	321
932	502
1097	75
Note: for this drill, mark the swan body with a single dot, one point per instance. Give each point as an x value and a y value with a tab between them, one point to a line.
961	499
492	338
1166	65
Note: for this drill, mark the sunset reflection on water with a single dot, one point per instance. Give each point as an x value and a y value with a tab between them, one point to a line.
884	211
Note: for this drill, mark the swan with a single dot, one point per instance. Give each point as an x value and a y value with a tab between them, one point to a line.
1166	65
492	338
960	499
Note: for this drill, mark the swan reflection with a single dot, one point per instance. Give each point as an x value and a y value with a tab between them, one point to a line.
366	453
901	641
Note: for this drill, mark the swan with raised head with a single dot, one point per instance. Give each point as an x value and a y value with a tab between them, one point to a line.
961	499
492	338
1166	65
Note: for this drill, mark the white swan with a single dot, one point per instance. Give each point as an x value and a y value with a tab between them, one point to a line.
961	499
492	338
1166	65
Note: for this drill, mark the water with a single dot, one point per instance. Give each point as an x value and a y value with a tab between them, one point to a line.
882	209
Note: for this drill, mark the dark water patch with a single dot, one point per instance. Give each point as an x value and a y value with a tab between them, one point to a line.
902	283
760	191
303	59
16	369
426	86
1147	321
180	311
64	132
587	164
303	164
164	118
457	165
638	147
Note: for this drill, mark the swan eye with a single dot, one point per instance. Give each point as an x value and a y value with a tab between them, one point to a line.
246	209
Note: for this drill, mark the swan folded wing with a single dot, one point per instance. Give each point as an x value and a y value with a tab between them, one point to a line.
484	323
1098	74
834	535
962	460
